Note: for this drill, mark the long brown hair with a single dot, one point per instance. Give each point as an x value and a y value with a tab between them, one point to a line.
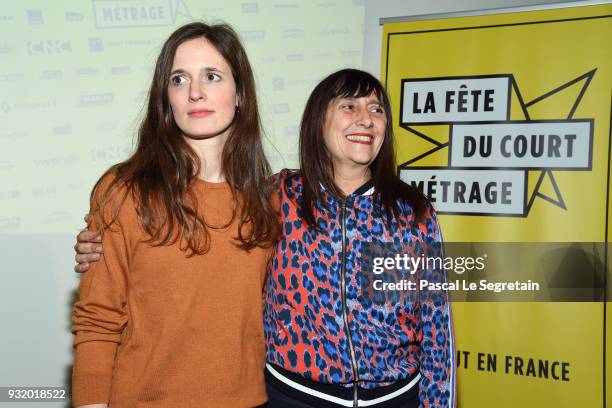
163	167
316	163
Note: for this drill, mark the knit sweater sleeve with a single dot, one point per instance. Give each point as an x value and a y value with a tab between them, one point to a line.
437	352
99	315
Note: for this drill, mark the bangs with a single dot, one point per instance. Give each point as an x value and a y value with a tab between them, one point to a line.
357	84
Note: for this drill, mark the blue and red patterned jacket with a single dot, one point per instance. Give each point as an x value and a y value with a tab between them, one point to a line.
323	321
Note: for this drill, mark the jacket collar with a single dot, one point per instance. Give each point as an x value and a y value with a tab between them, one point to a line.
366	189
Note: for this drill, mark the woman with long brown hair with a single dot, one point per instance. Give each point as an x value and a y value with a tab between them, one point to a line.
155	325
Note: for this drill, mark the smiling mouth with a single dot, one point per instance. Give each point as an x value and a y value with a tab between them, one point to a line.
360	138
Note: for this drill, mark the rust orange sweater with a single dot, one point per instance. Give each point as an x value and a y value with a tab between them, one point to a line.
155	328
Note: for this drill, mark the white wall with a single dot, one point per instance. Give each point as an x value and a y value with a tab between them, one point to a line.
377	9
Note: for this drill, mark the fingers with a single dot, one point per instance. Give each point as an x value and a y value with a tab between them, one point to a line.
86	258
89	236
83	260
82	267
88	248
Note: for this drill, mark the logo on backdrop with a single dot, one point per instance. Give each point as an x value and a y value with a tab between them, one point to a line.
489	155
138	13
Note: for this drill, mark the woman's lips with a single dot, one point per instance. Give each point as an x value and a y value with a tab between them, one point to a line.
200	113
361	138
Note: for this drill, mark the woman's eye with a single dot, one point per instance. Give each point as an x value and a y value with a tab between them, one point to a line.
212	77
178	80
377	109
347	106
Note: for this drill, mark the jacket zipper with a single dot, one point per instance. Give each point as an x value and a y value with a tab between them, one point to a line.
344	308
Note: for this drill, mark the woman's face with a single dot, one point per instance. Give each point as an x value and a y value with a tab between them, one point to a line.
354	130
202	90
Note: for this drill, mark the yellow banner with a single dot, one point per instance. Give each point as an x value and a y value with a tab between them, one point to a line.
504	121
